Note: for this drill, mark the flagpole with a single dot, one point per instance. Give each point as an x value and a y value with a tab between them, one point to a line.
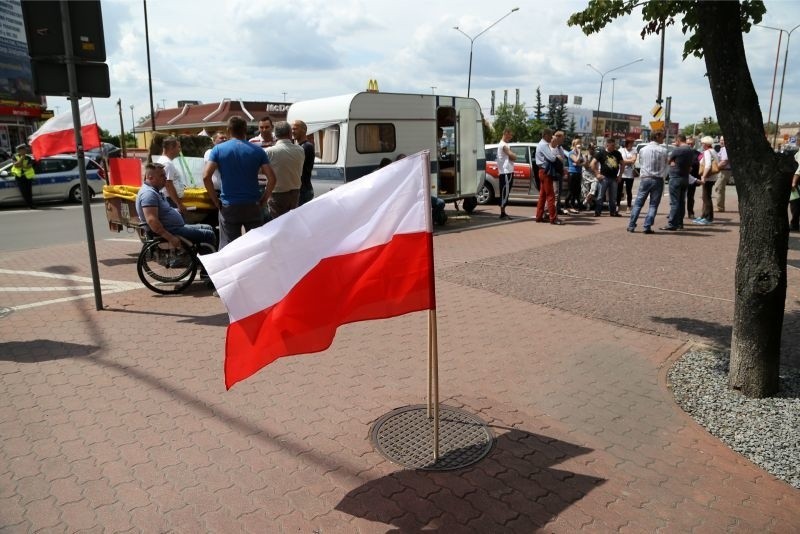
433	346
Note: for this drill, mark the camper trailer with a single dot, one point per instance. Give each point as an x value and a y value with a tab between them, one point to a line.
353	133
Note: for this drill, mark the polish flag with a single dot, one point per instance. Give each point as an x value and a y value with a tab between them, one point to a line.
362	251
57	135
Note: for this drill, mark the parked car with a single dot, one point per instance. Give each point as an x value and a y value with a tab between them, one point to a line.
524	187
57	178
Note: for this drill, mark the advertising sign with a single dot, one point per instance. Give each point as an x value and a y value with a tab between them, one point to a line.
16	79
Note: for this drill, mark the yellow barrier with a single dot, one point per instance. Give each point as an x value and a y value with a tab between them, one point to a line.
192	198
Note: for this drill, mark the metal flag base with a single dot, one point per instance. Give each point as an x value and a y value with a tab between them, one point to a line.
405	436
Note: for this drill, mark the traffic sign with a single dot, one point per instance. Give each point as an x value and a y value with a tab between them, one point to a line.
657	111
656	125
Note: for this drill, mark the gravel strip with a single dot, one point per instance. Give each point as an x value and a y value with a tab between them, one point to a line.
766	431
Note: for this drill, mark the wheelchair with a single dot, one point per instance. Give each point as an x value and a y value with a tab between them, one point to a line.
167	270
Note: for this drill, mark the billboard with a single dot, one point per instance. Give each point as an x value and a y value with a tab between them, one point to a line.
16	78
558	99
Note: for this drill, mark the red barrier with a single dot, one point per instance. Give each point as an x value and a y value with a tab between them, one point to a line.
125	171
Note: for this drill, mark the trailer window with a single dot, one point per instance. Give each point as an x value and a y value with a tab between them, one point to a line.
373	138
326	145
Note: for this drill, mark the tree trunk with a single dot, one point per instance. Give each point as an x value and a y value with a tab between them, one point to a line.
762	186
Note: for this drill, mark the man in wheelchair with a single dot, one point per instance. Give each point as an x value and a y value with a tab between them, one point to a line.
162	219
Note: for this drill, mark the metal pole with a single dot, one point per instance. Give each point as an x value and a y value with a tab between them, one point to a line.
774	76
72	80
469	76
661	66
783	78
149	73
472	42
122	130
613	124
133	128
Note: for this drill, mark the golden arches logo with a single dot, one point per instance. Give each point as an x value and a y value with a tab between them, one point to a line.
372	86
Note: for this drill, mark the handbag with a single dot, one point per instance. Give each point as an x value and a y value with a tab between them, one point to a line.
714	166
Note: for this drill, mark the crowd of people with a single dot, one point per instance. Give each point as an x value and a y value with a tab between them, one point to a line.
281	153
597	179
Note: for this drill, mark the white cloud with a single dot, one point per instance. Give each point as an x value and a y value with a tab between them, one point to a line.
204	50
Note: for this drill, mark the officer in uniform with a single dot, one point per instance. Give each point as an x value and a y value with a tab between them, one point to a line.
23	173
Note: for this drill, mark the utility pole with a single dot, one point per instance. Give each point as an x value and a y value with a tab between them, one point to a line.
122	142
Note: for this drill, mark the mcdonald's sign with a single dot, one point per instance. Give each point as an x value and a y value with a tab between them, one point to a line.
372	86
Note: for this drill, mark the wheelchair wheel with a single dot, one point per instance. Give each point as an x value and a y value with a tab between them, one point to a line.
166	270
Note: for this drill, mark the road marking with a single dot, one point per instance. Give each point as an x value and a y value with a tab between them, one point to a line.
107	287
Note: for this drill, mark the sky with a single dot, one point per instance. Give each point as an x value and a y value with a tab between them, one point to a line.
291	51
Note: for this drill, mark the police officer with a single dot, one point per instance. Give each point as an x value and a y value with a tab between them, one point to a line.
23	173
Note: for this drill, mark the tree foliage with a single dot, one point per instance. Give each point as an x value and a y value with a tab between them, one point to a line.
658	14
707	126
511	116
538	109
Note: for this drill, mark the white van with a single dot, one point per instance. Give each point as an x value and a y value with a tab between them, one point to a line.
353	133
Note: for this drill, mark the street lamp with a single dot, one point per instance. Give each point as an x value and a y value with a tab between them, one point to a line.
612	105
133	125
783	76
602	76
472	42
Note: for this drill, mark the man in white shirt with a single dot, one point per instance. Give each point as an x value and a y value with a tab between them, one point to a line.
724	175
176	182
654	168
265	138
505	169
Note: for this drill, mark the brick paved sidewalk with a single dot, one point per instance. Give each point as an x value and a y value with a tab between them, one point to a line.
118	420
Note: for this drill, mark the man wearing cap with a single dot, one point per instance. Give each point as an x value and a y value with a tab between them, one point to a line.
653	169
23	173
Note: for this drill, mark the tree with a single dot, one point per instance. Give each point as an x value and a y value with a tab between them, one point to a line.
707	126
514	117
762	177
538	109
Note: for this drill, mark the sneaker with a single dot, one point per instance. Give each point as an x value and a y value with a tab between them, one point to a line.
701	221
631	230
668	228
559	223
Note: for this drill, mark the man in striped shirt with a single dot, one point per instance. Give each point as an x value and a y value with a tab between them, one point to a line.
653	161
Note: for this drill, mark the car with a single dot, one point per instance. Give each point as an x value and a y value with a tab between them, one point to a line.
524	188
57	178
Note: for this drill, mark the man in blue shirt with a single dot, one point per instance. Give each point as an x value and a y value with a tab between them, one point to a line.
240	201
162	219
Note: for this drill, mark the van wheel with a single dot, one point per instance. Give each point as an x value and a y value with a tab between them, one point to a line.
485	195
469	204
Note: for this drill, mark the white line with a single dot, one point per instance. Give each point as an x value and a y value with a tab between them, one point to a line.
40	289
66	299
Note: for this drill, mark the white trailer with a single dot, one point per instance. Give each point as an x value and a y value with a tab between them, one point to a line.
353	133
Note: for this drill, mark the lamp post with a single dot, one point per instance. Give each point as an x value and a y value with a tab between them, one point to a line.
783	76
612	106
133	125
602	76
472	42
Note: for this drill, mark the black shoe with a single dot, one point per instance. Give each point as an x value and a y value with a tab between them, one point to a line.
648	231
631	230
596	214
668	229
504	216
616	214
557	222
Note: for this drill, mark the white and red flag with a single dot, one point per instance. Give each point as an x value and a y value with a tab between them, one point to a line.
362	251
57	135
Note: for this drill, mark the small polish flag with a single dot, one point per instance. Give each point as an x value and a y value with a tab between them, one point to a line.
57	135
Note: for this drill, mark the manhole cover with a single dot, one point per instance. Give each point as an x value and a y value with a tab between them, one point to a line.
405	437
5	311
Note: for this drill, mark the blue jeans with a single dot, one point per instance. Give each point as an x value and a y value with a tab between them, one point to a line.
654	187
606	185
677	200
196	233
